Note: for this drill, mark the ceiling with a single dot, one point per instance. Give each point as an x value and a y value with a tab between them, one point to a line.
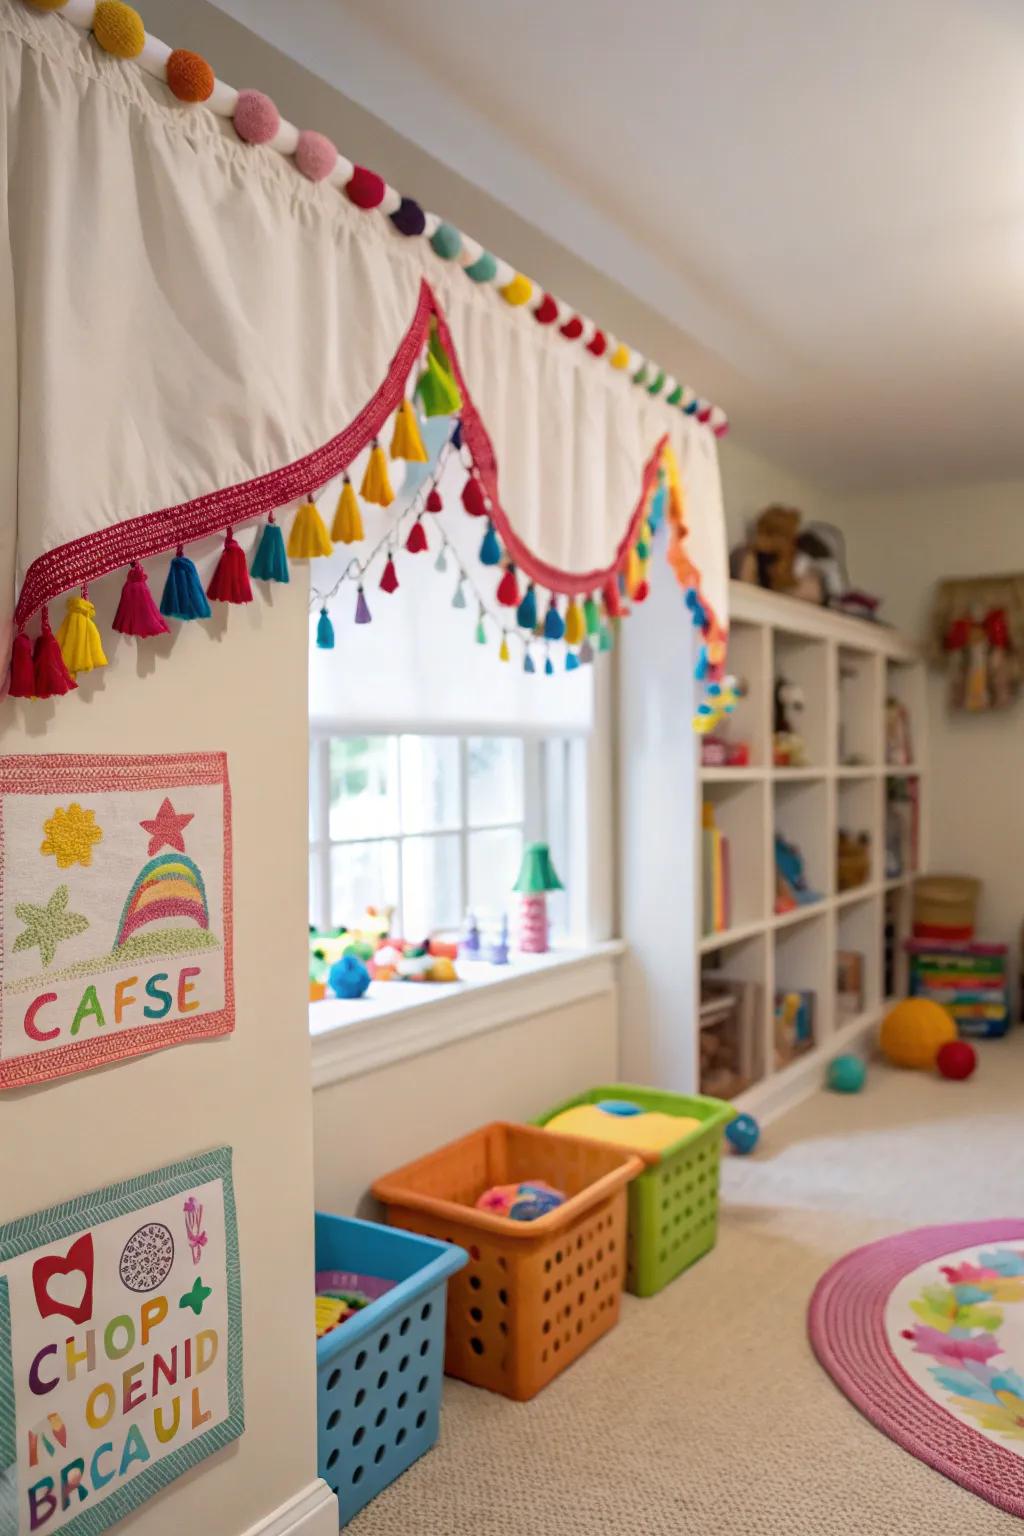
812	210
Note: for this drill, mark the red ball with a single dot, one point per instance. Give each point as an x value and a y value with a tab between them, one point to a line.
956	1059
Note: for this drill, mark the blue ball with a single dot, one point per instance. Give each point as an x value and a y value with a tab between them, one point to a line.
348	977
846	1074
743	1133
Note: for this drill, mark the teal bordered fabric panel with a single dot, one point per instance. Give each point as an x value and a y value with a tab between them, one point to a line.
90	1212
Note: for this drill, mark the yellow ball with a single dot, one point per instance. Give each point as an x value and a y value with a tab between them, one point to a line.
914	1031
119	29
518	290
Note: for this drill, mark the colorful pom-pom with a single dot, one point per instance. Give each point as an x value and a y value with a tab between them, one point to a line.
620	357
554	627
376	486
230	581
79	638
526	613
363	614
642	591
518	291
256	118
324	631
189	77
406	442
675	397
389	577
490	548
434	502
508	589
409	218
21	681
703	411
309	539
365	188
315	155
473	497
572	330
597	344
270	563
446	242
347	527
416	543
137	614
183	596
119	29
547	310
52	677
484	269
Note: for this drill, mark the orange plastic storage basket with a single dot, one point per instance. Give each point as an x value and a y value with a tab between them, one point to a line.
535	1294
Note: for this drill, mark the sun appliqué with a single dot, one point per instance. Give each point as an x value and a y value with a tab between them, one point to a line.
70	835
958	1325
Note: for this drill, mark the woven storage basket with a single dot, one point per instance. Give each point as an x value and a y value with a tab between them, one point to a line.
673	1205
535	1294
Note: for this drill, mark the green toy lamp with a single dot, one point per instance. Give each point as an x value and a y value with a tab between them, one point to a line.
536	877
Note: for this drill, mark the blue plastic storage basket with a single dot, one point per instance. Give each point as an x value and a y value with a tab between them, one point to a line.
378	1376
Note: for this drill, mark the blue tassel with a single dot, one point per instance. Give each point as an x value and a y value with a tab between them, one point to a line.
183	595
324	629
657	512
700	671
554	624
270	563
490	549
696	611
456	437
526	613
549	668
572	661
528	663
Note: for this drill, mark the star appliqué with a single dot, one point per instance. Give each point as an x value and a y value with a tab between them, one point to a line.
166	827
48	926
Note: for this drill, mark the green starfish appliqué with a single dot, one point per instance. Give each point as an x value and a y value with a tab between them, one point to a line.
48	926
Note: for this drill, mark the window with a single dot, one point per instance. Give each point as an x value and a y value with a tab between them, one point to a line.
433	826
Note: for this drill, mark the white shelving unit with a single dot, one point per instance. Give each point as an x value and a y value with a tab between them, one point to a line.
847	670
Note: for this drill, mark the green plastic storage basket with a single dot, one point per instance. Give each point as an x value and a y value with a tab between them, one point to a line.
673	1205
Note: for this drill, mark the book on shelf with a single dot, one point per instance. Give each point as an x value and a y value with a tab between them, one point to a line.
715	865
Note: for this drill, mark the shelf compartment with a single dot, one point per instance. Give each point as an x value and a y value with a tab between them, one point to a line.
750	723
739	813
858	979
802	1002
803	661
733	1018
859	740
858	808
902	824
801	817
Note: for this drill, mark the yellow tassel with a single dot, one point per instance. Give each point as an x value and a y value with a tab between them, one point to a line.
620	357
503	654
574	626
78	637
348	519
406	442
309	537
634	572
376	486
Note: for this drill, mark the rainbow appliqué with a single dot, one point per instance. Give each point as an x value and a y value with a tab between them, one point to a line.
168	886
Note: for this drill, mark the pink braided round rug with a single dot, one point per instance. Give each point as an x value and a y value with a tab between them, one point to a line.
924	1332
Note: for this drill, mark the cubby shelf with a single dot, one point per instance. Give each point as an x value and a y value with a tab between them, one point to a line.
847	671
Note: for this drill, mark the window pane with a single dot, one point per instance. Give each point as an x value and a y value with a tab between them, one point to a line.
559	826
430	783
362	875
364	786
430	885
495	779
314	887
494	859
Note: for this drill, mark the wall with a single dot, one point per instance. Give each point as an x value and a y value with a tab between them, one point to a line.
750	482
368	1125
901	545
236	683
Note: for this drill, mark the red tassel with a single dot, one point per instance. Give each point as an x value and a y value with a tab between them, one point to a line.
434	502
612	601
416	543
137	614
52	675
547	310
389	580
473	497
230	581
642	591
508	589
22	681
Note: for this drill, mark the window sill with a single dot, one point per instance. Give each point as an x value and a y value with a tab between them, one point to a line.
397	1020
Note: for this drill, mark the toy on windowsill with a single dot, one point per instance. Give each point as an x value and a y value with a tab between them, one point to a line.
536	877
497	954
395	960
348	977
791	888
788	749
469	944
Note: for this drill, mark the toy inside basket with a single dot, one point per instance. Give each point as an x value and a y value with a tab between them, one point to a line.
673	1205
535	1294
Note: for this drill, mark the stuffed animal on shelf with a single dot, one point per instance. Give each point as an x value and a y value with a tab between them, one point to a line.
787	744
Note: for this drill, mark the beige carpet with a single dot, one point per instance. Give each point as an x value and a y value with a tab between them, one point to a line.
704	1413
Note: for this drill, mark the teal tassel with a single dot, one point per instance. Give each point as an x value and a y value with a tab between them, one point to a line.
459	600
528	663
270	563
549	668
554	624
490	549
572	661
526	613
183	595
324	628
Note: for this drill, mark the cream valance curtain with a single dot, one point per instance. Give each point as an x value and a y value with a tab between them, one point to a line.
185	316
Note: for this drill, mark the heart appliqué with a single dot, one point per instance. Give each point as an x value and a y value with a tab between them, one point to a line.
63	1282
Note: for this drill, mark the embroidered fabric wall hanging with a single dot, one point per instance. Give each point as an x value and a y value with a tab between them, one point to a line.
120	1346
115	919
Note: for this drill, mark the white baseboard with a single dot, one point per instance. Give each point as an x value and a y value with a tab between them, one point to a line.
785	1089
313	1512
